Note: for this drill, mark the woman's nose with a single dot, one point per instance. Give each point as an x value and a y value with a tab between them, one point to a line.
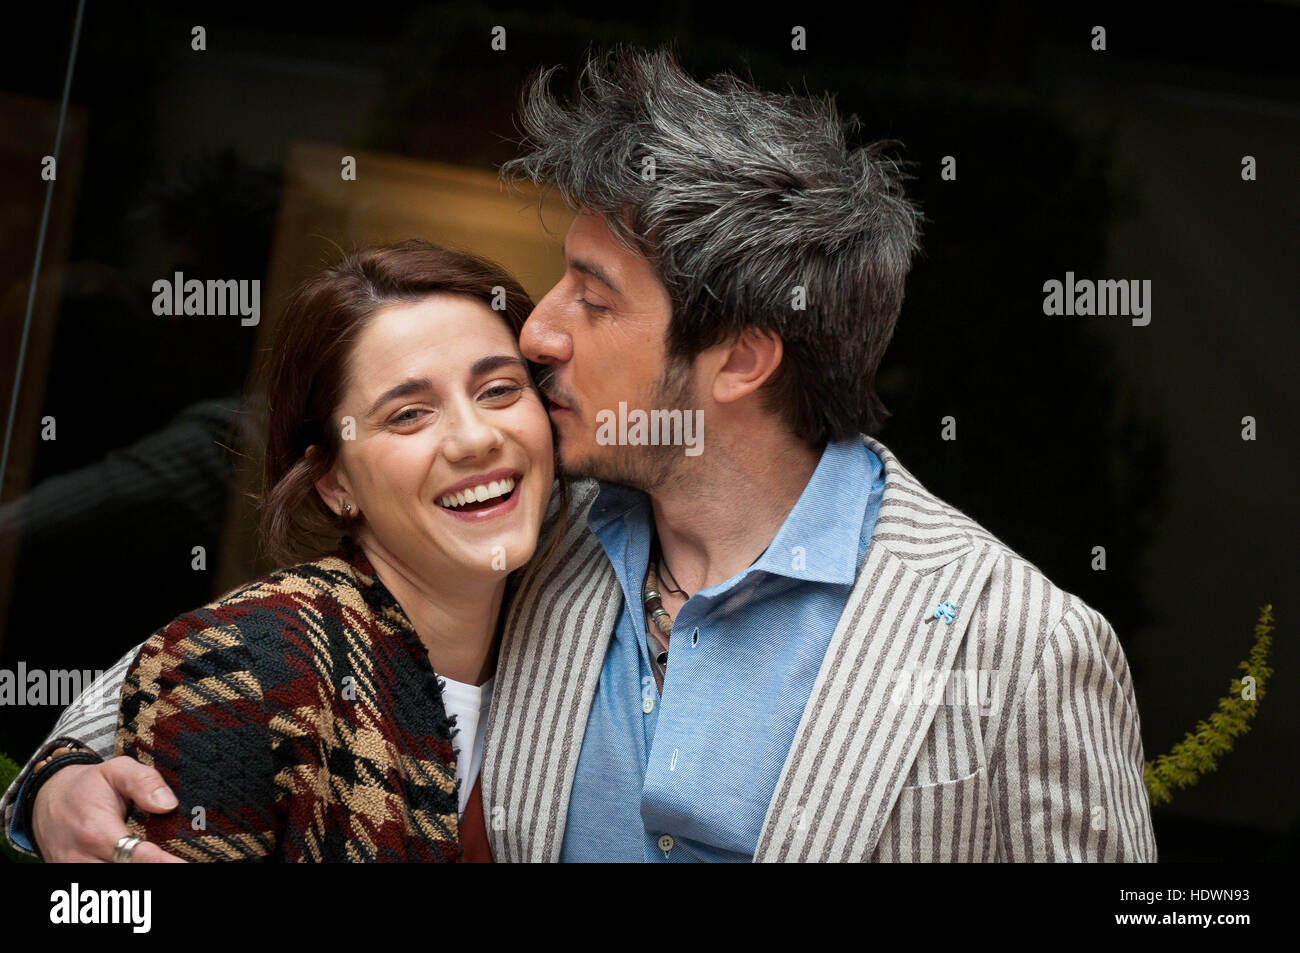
470	434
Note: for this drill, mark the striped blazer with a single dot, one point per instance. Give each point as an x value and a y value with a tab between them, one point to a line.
1046	764
966	710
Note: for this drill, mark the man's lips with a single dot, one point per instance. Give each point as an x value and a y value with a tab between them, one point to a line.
557	406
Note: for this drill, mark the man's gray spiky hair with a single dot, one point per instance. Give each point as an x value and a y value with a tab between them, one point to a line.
753	194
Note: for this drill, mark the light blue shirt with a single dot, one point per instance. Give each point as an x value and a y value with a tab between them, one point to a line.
695	769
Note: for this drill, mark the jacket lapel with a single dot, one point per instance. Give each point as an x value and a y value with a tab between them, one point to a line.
859	734
558	627
868	713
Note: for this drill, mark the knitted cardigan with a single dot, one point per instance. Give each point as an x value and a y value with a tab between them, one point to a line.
297	718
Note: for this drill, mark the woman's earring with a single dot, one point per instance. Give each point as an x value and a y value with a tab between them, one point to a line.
347	510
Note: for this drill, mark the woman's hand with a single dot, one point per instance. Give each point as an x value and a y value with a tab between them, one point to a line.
80	813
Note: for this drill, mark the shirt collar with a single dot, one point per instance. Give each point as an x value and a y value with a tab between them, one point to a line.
820	538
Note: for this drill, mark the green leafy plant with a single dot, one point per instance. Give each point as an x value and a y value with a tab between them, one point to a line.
1200	749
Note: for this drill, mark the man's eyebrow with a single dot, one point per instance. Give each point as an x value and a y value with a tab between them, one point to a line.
591	268
413	385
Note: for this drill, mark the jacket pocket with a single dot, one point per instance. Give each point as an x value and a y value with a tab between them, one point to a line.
947	822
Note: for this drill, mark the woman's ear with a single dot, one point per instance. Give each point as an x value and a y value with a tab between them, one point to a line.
332	486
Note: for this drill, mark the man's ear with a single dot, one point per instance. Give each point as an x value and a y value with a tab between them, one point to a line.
749	361
332	486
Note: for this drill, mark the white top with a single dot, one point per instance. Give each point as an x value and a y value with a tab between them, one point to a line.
469	703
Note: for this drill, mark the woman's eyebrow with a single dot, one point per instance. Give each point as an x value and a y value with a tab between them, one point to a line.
419	385
485	365
414	385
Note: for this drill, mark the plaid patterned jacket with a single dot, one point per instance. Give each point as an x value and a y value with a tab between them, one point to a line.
297	718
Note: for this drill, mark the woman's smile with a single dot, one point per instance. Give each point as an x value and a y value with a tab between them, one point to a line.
482	497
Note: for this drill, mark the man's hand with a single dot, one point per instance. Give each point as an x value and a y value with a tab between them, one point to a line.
80	813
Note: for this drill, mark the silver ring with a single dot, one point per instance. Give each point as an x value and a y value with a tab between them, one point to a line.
123	849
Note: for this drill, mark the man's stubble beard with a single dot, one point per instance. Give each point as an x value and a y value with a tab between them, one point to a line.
646	468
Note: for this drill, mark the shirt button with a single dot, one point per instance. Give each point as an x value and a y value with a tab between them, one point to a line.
647	705
666	843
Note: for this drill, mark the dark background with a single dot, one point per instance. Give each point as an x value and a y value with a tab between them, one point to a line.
1073	432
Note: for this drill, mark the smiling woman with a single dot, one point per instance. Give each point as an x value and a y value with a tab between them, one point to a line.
442	403
409	462
309	365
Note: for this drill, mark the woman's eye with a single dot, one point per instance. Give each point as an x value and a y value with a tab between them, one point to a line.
503	390
408	416
599	309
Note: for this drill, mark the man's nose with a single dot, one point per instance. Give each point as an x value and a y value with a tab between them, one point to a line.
544	339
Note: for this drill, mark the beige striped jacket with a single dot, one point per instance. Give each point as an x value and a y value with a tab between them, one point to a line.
1009	733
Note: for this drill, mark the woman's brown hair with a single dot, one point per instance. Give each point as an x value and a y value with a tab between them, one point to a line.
303	375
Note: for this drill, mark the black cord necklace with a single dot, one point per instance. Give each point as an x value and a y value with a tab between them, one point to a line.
657	557
668	574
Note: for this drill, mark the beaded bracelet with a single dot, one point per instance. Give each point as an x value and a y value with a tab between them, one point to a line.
61	757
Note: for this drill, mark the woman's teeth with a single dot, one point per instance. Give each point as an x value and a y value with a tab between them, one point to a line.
478	494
